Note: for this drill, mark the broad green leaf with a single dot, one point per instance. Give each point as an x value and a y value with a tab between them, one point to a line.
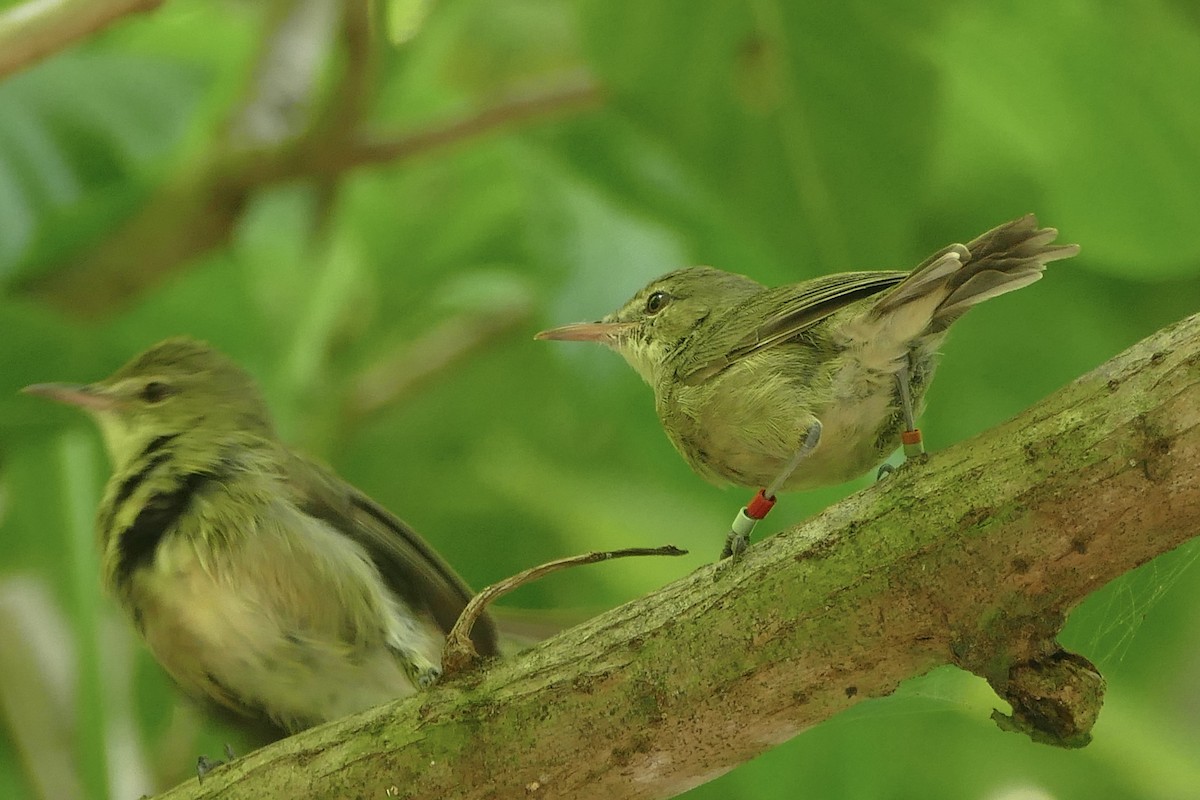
405	18
81	136
1096	106
817	153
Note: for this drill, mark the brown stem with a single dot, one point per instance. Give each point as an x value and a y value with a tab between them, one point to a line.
434	353
459	653
199	212
37	29
574	93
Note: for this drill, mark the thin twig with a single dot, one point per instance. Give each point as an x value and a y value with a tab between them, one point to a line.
357	78
435	353
459	653
39	28
278	97
575	92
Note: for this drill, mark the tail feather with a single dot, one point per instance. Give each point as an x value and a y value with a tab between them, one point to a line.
1005	258
982	286
935	270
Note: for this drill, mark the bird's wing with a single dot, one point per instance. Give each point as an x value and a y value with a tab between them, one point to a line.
411	568
775	316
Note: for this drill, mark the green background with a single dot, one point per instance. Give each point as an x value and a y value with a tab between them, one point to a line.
779	139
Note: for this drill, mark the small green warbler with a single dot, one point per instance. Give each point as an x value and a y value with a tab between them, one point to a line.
259	579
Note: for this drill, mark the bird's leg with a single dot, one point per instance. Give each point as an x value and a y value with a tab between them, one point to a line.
914	445
743	524
910	437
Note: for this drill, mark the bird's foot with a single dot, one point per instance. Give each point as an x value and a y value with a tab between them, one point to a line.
914	450
738	540
421	671
428	676
205	765
735	544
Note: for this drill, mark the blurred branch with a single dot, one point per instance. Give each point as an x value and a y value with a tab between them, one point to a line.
39	28
355	86
571	93
199	210
349	102
398	375
284	78
973	558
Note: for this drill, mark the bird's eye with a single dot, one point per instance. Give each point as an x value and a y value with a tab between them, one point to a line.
656	302
155	392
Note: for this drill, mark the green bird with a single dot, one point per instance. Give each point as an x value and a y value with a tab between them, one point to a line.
259	579
811	383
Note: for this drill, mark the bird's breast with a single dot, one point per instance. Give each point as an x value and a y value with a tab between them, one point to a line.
273	614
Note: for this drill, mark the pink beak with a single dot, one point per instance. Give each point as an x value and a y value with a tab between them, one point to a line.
603	332
86	397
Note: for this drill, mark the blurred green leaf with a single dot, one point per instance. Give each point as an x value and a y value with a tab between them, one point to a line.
83	137
1098	108
404	18
759	101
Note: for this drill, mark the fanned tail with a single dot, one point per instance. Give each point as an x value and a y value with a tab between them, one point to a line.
1005	258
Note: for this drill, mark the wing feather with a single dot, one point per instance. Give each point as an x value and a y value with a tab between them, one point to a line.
411	568
777	316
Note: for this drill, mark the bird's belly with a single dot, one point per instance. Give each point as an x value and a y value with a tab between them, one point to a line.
748	438
854	438
221	640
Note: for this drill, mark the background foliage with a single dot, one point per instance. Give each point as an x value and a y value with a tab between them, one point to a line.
389	309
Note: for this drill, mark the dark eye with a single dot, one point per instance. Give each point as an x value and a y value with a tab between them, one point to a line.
656	302
155	392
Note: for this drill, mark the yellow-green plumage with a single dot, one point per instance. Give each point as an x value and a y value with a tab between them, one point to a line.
741	372
259	579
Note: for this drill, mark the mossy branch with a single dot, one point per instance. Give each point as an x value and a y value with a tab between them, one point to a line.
973	558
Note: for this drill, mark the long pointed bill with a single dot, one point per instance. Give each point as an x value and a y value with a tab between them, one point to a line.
603	332
85	397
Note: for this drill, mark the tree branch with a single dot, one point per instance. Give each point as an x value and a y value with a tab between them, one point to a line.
39	28
401	373
199	211
573	92
278	99
973	558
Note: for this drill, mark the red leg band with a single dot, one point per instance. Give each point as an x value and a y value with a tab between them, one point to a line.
760	505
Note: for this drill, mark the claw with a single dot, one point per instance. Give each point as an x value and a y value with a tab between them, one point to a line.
735	544
428	676
205	765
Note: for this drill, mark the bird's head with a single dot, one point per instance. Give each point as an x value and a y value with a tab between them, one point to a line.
654	324
177	388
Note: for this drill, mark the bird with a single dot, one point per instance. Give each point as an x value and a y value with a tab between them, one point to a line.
811	383
262	582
